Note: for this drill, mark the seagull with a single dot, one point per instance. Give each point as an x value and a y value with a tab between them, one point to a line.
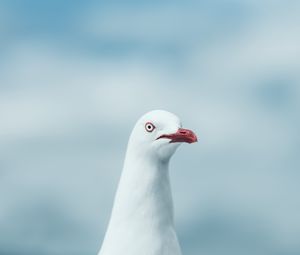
142	221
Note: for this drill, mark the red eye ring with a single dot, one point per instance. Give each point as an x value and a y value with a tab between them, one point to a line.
149	127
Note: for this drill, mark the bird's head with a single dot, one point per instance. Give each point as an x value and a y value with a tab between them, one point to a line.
158	134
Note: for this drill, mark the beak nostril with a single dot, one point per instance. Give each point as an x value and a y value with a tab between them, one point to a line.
184	132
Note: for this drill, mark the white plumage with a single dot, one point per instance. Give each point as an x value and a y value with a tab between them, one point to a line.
141	222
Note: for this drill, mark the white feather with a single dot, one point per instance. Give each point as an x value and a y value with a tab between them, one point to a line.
142	221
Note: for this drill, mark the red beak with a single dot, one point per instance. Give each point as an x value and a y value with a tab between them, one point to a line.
182	135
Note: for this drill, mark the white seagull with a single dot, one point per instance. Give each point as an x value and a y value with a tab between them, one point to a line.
142	221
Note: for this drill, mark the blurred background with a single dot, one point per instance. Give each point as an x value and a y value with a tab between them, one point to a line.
76	75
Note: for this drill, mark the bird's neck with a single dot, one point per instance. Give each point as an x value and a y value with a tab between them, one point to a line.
144	193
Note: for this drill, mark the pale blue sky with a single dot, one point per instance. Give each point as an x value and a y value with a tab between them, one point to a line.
76	75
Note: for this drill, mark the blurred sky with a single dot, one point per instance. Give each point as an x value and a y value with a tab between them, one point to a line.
76	75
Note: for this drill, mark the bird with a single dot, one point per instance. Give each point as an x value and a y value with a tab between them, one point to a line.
142	218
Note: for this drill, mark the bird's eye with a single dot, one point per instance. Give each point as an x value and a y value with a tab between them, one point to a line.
149	127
